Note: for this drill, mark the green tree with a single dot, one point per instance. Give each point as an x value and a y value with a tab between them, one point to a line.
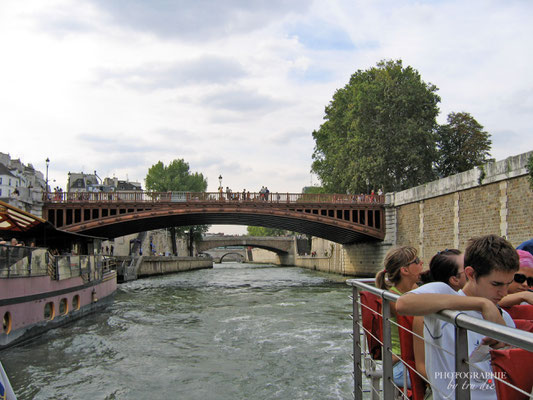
529	168
379	131
314	190
174	177
262	231
462	144
177	177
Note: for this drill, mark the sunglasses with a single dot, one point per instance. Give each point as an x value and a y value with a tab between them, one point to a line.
521	278
416	261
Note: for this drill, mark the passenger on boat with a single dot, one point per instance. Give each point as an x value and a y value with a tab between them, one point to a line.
520	289
401	273
490	264
446	266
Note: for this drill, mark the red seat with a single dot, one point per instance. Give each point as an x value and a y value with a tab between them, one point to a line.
418	387
524	324
372	321
522	311
512	366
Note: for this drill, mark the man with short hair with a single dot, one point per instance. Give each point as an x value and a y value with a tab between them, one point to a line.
490	264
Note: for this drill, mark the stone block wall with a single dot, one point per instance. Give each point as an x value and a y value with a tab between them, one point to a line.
520	211
495	198
408	218
446	213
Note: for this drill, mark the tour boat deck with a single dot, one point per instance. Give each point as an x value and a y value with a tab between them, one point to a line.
377	369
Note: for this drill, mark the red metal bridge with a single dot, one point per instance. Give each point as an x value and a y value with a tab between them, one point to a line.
337	217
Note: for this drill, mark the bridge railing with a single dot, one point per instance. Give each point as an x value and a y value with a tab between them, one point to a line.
210	197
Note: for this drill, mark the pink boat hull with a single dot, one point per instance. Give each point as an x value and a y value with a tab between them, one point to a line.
23	301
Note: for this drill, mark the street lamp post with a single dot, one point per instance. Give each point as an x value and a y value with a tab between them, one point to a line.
219	181
47	163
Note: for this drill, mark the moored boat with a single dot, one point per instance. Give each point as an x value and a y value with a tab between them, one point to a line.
42	287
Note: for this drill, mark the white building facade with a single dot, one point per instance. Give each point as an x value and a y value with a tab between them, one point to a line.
21	185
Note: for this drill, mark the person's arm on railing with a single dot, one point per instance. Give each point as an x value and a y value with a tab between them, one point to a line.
418	346
516	298
430	303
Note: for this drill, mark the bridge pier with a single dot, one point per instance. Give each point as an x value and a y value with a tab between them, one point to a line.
287	259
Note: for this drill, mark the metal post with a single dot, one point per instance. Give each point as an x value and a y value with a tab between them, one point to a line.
8	260
46	189
357	366
388	388
462	381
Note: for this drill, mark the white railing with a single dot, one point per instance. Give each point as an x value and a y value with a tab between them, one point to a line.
463	323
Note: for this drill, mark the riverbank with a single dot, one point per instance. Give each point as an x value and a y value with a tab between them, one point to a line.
131	268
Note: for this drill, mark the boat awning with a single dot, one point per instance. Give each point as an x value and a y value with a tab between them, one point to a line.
22	225
13	219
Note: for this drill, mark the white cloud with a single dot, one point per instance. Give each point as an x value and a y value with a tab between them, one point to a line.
237	87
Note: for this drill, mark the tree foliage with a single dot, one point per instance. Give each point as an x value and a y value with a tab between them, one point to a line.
314	190
262	231
174	177
380	127
529	168
177	177
462	144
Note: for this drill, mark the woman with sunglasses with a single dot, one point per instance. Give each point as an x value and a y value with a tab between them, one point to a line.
520	290
401	273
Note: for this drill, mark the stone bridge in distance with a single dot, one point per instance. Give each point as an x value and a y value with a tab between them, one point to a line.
339	218
284	246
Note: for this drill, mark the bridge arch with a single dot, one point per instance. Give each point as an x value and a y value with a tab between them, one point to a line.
240	256
339	218
279	245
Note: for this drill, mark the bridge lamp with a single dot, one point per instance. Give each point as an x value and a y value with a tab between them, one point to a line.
47	163
220	181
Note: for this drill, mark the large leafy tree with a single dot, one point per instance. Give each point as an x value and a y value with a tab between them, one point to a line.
379	131
313	190
462	144
263	231
176	176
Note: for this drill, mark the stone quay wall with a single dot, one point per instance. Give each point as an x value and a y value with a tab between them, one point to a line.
495	198
166	265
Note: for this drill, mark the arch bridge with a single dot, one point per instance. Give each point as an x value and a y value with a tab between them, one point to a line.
278	244
283	246
335	217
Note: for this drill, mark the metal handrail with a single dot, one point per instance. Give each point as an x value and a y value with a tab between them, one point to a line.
460	320
139	196
22	261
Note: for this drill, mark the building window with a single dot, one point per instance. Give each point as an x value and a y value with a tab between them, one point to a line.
6	325
63	307
49	312
0	180
76	302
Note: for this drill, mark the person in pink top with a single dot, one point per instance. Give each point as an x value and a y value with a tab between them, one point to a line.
520	290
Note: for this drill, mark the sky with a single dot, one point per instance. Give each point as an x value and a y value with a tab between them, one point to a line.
236	87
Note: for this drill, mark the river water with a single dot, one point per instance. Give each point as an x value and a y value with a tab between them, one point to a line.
237	331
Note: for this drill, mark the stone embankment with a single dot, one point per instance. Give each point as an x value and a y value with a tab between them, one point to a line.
131	268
